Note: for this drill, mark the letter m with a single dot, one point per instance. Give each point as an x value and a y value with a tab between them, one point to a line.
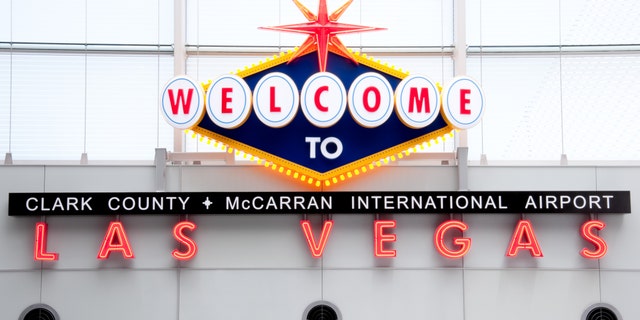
176	101
421	99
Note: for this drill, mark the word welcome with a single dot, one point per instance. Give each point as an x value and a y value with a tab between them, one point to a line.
323	99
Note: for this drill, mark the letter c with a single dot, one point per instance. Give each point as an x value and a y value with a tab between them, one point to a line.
32	208
317	101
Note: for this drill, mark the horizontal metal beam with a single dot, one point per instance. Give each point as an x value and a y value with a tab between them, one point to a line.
391	50
228	158
109	48
554	49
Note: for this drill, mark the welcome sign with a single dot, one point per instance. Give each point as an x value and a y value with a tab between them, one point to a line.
322	114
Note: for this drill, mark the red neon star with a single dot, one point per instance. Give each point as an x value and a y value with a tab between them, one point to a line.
323	30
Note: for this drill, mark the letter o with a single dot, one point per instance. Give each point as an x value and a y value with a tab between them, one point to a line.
466	202
131	201
370	99
584	202
326	153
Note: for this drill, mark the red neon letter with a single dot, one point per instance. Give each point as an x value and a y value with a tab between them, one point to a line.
365	99
600	245
524	238
464	243
40	246
191	246
420	100
464	101
316	248
115	240
180	100
317	98
272	100
226	100
380	238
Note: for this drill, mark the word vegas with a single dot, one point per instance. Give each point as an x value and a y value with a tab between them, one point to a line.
446	240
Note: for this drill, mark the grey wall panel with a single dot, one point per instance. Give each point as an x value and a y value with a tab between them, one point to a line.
529	294
112	294
620	289
483	178
395	294
271	241
237	178
173	179
17	234
621	232
18	289
264	260
100	178
403	178
247	294
258	178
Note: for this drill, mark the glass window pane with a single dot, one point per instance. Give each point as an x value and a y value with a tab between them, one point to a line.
408	22
114	22
48	21
525	119
600	22
438	69
130	22
522	118
599	96
47	107
123	119
206	67
5	76
504	22
232	22
5	20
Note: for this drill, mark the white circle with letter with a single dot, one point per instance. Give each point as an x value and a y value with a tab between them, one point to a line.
276	99
417	101
229	101
323	99
370	99
182	102
463	102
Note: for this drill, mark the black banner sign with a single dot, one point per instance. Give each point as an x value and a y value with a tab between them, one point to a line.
175	203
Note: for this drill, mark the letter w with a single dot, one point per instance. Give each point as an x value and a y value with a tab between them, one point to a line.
180	100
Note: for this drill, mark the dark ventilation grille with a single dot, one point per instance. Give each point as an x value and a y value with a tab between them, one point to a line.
601	312
39	312
322	310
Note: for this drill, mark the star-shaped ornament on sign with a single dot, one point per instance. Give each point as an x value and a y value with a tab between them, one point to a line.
323	30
